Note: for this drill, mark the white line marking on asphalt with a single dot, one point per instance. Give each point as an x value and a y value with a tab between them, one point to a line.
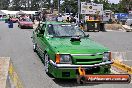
127	60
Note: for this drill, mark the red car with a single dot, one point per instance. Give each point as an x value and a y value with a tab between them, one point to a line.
14	20
25	23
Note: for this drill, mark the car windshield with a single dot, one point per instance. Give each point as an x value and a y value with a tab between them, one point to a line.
27	20
65	30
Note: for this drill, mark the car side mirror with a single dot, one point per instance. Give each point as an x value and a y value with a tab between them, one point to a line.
87	35
39	35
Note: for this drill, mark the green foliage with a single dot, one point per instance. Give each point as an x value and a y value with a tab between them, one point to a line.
67	5
4	4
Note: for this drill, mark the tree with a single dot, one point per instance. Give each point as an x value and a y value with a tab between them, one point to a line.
95	1
4	4
16	5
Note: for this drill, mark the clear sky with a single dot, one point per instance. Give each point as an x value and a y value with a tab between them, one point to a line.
114	1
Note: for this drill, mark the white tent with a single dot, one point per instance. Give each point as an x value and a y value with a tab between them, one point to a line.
2	13
29	12
9	12
20	12
6	12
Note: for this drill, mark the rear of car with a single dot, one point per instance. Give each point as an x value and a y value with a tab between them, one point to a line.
25	23
14	20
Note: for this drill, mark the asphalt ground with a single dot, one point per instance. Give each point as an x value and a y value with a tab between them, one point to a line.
116	41
17	44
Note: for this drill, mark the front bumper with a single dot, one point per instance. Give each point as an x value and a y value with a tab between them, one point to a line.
71	66
69	71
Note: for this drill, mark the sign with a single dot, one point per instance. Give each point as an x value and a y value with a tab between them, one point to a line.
91	8
108	78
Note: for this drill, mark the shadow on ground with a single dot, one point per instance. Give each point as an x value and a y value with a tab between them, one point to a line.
70	83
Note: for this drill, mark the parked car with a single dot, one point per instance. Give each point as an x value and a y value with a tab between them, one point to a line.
64	47
129	21
14	20
123	19
25	23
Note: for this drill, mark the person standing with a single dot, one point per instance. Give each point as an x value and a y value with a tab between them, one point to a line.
10	22
60	19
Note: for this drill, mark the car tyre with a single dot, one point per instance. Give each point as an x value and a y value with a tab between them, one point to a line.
21	27
46	63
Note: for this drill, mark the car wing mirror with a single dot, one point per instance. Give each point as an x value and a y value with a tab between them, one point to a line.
87	35
39	35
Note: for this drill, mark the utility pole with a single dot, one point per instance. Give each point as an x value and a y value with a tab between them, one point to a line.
58	6
28	5
79	10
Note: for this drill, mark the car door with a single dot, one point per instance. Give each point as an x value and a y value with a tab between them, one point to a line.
40	40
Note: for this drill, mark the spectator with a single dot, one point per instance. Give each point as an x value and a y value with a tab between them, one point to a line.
60	19
68	19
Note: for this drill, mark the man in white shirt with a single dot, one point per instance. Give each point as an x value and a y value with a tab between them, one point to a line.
60	18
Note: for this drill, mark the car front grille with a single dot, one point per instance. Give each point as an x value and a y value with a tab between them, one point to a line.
88	60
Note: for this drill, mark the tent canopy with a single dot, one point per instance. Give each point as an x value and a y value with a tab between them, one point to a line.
6	12
2	13
9	12
29	12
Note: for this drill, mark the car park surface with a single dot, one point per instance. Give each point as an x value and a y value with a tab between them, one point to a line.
17	44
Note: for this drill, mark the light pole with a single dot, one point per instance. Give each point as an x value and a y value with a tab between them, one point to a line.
58	6
41	5
78	10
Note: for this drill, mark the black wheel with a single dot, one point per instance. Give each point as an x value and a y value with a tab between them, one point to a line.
127	31
21	27
34	47
46	62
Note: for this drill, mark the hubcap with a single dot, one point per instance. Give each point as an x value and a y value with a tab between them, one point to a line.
46	62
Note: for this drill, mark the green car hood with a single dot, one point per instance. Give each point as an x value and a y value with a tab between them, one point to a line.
85	46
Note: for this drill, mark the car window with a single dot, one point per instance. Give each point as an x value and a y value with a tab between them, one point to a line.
51	29
65	30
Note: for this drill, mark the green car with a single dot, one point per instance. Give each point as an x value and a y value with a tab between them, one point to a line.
64	47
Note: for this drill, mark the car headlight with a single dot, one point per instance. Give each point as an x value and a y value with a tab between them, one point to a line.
106	56
63	58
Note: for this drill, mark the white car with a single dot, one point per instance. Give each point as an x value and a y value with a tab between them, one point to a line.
129	21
